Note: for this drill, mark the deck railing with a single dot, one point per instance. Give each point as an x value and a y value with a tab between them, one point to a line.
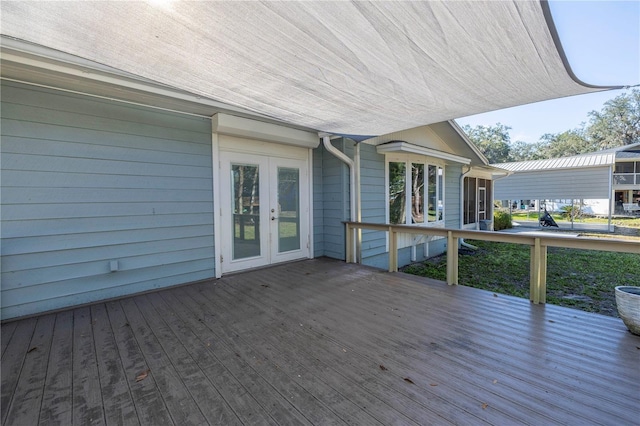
538	244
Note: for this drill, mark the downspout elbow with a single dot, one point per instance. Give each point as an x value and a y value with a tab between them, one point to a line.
326	142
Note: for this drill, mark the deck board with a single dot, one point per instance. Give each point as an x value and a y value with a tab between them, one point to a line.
116	395
12	361
320	342
57	407
87	392
31	381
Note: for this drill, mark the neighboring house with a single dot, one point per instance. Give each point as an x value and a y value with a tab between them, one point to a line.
607	181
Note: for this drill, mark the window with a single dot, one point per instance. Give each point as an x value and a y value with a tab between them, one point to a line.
477	199
415	191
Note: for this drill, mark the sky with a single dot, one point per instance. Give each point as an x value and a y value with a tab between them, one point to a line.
601	40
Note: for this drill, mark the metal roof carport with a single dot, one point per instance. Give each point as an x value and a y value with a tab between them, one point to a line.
582	176
587	176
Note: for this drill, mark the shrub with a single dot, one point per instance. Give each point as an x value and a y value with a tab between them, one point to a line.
501	220
572	212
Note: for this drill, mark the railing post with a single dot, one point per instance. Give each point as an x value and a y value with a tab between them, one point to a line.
538	273
348	256
452	259
393	250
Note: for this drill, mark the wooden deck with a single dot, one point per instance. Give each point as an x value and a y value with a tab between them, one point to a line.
320	342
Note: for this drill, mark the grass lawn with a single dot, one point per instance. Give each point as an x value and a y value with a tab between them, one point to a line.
629	222
583	279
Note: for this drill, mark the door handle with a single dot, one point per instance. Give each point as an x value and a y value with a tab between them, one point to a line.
273	218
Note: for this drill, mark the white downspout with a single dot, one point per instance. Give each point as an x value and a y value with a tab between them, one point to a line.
357	200
326	141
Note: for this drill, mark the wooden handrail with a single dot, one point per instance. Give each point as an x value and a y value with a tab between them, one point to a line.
538	243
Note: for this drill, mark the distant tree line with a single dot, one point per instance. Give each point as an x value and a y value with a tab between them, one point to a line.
617	124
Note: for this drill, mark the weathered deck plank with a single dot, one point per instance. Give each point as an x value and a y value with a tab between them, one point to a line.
146	396
116	396
309	402
57	407
203	350
320	342
7	332
204	392
87	393
12	361
32	377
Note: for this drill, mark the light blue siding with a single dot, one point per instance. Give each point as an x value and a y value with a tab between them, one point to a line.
373	204
87	181
335	199
452	195
335	204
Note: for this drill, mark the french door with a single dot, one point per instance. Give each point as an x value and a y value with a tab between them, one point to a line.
265	210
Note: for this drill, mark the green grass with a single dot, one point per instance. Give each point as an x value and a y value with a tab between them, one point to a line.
582	279
630	222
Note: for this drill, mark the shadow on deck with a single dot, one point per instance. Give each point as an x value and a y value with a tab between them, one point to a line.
320	342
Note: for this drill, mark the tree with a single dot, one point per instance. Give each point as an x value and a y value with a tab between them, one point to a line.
492	141
618	123
525	151
565	144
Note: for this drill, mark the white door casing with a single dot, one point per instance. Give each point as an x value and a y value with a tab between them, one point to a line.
264	204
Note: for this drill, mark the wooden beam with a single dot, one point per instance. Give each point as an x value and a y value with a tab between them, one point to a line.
348	256
393	250
452	259
538	273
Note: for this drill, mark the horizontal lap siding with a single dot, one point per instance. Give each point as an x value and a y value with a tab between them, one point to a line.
555	184
335	200
88	181
452	173
373	203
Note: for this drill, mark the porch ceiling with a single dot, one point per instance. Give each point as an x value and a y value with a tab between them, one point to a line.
361	68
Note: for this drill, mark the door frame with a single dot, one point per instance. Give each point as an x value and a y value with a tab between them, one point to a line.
238	145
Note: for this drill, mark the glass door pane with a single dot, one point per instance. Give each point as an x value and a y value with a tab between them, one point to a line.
288	209
245	205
